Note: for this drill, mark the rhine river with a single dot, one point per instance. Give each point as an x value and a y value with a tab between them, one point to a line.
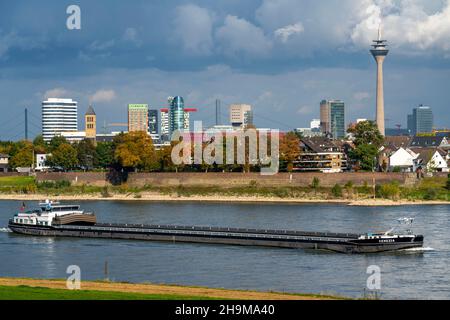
404	275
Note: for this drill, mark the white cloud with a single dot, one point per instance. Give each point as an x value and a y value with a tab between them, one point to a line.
289	30
57	93
240	36
304	110
102	45
131	35
13	40
410	26
193	29
360	96
103	96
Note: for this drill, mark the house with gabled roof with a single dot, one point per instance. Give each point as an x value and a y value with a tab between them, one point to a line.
428	142
321	154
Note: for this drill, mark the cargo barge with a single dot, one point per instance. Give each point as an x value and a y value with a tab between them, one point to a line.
56	220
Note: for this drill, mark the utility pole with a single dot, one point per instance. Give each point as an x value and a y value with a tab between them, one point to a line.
218	121
26	124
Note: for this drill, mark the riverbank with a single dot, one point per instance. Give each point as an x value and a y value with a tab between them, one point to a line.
25	289
215	198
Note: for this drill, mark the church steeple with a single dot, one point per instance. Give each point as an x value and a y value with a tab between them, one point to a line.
90	120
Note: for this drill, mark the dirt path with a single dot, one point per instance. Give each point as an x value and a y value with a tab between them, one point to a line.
147	196
159	289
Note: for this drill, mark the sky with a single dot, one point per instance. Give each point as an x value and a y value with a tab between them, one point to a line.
281	56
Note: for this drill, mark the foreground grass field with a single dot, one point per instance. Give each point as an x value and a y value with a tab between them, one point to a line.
39	293
36	289
16	181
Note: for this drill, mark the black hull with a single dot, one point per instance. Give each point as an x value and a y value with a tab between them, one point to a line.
342	243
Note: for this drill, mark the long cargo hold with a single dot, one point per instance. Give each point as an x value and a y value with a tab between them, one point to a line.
74	223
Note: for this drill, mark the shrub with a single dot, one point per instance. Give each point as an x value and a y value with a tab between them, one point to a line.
349	185
448	182
337	190
253	184
105	192
315	183
389	191
29	188
430	194
397	169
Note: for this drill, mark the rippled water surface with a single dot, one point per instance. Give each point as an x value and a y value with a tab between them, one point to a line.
410	274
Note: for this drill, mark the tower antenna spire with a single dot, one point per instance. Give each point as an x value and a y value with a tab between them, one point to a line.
380	31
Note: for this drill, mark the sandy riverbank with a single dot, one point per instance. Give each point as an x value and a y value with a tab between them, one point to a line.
156	289
217	198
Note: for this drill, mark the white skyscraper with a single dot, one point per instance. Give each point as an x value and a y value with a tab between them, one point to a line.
165	124
58	116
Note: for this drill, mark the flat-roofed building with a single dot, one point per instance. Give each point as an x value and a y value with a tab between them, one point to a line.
137	117
58	116
241	115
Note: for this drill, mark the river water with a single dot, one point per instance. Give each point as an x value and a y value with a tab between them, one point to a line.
404	275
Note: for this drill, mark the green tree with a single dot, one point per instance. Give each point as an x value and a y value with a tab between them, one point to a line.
366	155
86	153
105	155
135	150
56	142
366	132
368	141
64	156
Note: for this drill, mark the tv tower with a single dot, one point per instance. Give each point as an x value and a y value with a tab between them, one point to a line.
380	52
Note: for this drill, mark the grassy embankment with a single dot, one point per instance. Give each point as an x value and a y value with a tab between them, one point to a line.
427	189
37	289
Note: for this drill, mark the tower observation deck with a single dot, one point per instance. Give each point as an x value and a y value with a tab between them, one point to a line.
379	51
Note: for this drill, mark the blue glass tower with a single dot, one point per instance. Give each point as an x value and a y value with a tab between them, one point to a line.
176	114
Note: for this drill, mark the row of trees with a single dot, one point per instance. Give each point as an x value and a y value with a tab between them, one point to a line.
127	152
135	152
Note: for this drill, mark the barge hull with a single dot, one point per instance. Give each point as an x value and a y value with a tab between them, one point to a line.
341	245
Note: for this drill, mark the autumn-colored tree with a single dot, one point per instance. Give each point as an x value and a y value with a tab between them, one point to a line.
22	156
289	149
135	150
64	156
40	147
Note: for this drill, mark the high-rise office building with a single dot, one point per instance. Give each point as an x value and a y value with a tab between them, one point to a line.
165	124
137	117
421	120
90	123
176	114
153	122
241	115
332	118
58	116
187	118
379	52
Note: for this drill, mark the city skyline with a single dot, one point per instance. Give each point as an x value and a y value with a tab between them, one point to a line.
283	78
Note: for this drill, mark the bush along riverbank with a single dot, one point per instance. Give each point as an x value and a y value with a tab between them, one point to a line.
428	189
